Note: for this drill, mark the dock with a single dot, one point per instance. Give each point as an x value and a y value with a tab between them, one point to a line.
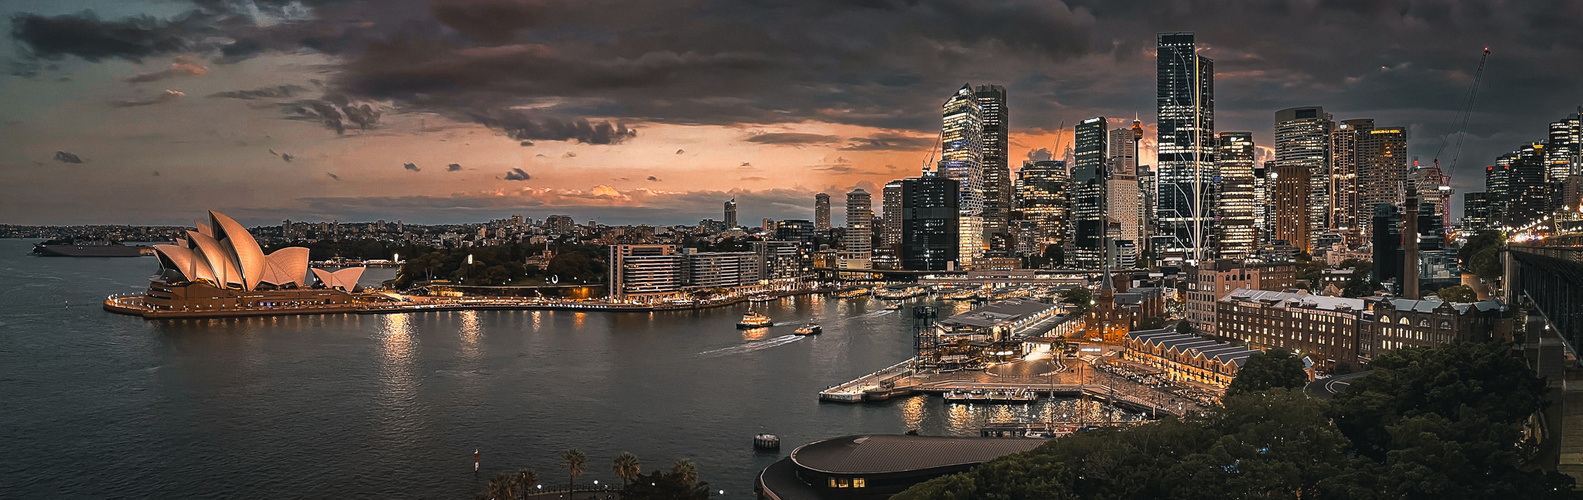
902	379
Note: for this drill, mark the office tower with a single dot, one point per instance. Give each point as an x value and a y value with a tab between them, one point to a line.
1528	195
1045	201
798	230
997	171
1234	162
859	224
285	229
1261	206
1185	101
1433	190
1302	137
1497	188
1475	212
1289	186
731	214
1347	216
929	220
1148	188
961	158
1386	238
1382	166
1563	147
1123	203
1088	193
821	212
890	231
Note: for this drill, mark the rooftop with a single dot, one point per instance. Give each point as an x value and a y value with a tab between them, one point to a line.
879	454
1288	299
998	313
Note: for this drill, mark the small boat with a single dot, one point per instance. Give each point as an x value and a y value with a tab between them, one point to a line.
761	298
809	329
893	307
753	320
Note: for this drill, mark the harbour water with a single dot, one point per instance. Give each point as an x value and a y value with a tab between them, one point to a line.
393	406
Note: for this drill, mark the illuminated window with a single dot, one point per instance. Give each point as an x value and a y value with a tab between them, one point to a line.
858	482
844	483
832	482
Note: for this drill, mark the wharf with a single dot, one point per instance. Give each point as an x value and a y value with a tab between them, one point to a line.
381	303
902	379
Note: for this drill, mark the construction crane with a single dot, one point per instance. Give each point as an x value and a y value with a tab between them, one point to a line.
1444	176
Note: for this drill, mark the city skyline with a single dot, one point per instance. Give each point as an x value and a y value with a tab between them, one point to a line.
262	113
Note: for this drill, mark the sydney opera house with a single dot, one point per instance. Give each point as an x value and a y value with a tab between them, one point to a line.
218	270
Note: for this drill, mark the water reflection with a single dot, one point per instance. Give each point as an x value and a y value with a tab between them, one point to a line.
398	382
538	320
469	334
912	411
755	333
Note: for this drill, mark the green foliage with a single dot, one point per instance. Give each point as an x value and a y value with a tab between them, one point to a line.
1486	264
1275	368
1458	293
1153	323
501	264
1359	285
1080	297
1427	423
666	485
1185	328
1310	271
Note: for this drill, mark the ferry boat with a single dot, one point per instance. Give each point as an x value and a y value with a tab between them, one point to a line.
754	320
852	294
893	307
761	298
810	329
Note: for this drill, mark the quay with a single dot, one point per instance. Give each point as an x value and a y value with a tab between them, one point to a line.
902	379
389	303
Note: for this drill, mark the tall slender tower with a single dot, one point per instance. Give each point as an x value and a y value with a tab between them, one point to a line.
961	158
997	171
1382	166
1185	102
731	214
1236	204
890	232
1302	138
1089	221
1123	203
859	223
821	212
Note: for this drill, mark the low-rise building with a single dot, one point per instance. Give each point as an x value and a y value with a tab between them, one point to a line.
1325	328
1209	281
1394	323
1184	357
996	321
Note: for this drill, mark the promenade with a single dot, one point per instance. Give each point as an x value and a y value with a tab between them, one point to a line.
391	303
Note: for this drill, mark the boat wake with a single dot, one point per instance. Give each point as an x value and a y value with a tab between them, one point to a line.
752	346
876	314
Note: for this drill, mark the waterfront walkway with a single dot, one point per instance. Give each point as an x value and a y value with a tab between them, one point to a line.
1043	376
386	303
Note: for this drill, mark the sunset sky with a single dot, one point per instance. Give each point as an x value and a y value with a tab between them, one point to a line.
150	112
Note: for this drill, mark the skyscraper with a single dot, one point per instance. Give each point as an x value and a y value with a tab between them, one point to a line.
929	214
997	171
1044	199
890	233
1563	147
1124	204
731	214
1289	186
1262	213
1347	216
1234	161
821	212
1528	195
961	158
1088	193
1185	102
858	239
1302	137
1382	166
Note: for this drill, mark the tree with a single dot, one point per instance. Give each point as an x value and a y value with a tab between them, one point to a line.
685	471
665	486
1275	368
575	462
527	479
1486	264
1457	293
1079	297
626	467
501	487
1185	328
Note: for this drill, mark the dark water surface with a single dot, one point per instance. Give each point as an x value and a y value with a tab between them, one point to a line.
99	404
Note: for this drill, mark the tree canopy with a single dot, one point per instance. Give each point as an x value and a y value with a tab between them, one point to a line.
1440	422
1275	368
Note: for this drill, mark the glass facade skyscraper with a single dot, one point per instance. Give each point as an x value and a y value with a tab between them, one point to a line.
929	221
997	172
1043	199
1089	173
1185	102
1234	161
962	159
1302	138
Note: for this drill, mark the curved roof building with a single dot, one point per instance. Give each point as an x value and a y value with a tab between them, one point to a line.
876	466
224	255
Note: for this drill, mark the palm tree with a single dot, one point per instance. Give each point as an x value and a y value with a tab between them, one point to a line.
526	480
686	470
575	461
502	487
626	467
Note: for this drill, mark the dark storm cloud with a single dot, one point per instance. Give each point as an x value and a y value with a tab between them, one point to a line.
454	167
411	166
64	157
792	139
276	92
888	142
516	174
1040	154
85	35
527	128
337	112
